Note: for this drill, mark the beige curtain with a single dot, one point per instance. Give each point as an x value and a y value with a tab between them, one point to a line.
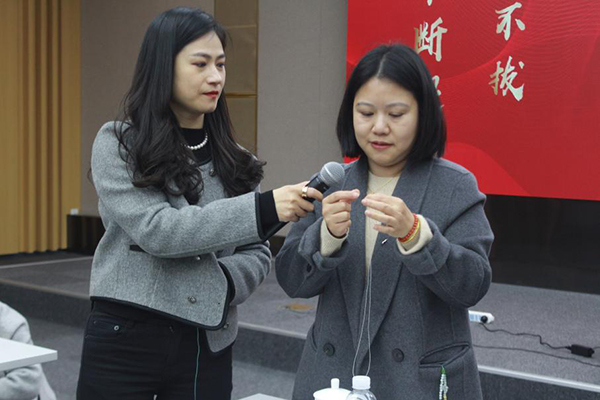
39	122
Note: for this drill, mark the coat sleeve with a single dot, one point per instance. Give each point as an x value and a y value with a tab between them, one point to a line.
454	264
247	268
301	269
148	218
21	383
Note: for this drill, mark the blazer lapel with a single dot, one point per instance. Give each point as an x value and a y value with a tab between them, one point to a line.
352	275
385	273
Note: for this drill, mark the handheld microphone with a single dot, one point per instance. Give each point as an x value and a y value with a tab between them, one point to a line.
331	174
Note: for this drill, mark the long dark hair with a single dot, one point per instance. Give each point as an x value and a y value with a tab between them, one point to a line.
400	64
149	132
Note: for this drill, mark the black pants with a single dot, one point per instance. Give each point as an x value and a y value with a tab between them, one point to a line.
138	359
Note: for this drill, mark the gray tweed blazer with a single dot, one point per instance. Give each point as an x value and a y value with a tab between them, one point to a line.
419	311
162	253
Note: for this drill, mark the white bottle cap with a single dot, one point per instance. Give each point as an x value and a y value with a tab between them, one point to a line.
332	393
361	382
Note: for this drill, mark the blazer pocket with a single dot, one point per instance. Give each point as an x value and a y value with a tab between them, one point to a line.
136	248
445	355
455	358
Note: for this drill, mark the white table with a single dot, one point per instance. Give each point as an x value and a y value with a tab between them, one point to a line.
16	354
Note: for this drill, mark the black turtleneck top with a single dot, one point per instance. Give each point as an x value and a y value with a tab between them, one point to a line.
266	203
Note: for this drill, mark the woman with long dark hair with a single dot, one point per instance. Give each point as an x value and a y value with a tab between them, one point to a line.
185	225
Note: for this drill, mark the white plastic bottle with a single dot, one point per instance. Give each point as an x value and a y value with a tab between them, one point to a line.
360	389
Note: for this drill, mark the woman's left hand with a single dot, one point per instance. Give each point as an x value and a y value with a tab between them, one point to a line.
393	214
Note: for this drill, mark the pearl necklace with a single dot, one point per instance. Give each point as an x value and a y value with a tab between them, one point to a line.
199	145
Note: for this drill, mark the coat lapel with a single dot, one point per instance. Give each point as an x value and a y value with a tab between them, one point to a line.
385	268
352	275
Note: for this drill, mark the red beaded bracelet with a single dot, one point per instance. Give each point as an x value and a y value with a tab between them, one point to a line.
409	235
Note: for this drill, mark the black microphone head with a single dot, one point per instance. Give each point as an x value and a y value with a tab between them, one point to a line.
332	173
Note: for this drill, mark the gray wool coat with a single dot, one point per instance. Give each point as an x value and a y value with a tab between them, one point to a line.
161	253
419	311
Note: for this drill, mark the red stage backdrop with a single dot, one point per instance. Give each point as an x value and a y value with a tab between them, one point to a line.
519	81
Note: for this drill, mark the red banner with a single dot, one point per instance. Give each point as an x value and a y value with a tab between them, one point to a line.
519	81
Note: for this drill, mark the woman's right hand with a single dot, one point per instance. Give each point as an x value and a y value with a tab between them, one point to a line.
289	202
336	211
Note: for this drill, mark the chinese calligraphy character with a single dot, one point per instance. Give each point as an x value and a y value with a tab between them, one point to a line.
505	76
505	20
436	82
433	42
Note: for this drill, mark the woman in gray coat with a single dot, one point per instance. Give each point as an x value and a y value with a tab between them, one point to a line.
398	252
185	225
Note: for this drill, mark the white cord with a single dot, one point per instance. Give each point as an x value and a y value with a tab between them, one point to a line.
369	323
368	316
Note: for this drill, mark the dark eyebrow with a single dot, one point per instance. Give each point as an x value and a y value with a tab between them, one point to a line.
364	103
399	103
207	56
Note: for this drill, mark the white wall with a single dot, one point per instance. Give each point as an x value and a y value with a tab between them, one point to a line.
301	77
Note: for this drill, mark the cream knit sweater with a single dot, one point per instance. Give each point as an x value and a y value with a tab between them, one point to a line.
383	185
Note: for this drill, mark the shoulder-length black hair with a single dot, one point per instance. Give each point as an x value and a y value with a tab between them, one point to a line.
401	65
154	147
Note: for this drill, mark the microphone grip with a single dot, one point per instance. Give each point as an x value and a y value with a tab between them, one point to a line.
315	183
318	184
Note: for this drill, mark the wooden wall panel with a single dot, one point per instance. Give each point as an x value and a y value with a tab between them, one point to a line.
240	18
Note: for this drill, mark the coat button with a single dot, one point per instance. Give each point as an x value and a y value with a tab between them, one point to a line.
328	349
226	325
198	258
192	299
397	355
117	327
212	172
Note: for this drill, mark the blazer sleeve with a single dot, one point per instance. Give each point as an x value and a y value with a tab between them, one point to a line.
246	268
302	271
454	264
148	218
